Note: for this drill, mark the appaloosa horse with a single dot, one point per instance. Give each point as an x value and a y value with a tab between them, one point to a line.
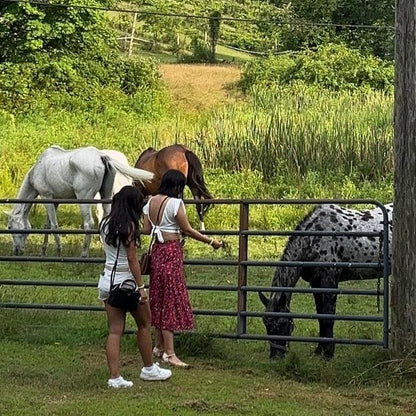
180	158
67	174
332	249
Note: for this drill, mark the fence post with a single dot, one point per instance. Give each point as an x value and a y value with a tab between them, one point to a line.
242	269
132	35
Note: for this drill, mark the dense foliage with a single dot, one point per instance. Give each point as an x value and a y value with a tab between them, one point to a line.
278	25
67	57
330	66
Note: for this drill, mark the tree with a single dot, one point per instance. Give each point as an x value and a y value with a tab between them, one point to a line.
214	31
404	220
27	31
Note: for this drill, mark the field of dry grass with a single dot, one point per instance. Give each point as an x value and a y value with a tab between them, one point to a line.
199	86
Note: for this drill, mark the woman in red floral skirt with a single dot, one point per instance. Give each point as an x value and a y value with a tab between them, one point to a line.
165	219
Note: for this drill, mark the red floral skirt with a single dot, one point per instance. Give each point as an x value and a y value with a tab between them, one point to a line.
169	300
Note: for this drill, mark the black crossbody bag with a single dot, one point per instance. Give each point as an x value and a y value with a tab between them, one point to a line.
124	295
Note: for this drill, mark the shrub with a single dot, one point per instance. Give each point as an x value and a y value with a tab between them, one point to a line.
201	52
332	66
76	83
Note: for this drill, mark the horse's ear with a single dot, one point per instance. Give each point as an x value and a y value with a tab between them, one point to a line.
281	303
263	299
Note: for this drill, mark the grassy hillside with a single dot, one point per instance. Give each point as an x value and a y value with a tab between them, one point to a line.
200	87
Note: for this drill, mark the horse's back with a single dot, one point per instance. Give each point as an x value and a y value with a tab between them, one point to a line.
159	162
63	173
172	157
345	248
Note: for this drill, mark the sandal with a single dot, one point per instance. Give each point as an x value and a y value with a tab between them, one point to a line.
157	352
168	359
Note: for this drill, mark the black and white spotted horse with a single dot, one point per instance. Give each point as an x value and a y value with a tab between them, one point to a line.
352	249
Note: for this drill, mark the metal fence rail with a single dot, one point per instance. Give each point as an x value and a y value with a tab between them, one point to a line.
242	263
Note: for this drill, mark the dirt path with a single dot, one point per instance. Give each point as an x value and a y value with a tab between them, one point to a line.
198	87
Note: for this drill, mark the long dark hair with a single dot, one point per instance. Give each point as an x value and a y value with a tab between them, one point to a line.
173	184
123	221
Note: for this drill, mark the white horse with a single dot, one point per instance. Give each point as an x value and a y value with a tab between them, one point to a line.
120	180
67	174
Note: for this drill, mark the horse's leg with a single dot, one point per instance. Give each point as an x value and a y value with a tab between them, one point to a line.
88	225
200	211
46	236
53	225
329	300
318	297
199	207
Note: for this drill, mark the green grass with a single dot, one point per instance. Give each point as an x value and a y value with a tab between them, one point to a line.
231	55
223	54
53	362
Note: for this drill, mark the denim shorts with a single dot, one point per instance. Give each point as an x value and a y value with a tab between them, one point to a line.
103	294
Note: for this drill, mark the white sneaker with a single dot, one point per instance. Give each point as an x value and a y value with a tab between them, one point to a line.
119	383
155	374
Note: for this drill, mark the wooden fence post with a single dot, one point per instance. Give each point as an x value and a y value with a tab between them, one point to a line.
132	35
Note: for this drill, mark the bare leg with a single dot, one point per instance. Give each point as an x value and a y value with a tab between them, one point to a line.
116	321
170	355
144	337
159	340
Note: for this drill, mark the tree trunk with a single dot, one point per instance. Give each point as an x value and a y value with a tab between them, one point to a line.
403	299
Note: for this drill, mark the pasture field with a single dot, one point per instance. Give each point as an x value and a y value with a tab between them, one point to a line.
301	143
53	362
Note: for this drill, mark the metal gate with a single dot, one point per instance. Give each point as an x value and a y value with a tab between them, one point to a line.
242	265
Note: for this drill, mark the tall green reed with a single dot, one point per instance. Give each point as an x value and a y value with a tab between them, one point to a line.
279	132
293	131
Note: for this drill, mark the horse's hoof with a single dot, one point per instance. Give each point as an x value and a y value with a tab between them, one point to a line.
318	350
276	355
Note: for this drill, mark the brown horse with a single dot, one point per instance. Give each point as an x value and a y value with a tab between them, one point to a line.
180	158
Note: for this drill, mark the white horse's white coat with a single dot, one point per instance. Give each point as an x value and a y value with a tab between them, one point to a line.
120	180
67	174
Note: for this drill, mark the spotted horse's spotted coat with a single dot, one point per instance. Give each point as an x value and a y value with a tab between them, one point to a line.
300	248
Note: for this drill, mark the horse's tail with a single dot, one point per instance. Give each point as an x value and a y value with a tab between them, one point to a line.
195	175
136	174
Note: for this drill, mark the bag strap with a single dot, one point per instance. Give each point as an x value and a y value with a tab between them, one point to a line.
160	209
113	270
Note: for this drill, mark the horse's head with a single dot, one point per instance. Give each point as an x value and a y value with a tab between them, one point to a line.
17	222
277	325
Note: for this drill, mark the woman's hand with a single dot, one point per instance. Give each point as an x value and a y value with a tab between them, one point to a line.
216	244
143	295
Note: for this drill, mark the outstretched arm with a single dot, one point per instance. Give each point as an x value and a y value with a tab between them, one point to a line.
187	229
